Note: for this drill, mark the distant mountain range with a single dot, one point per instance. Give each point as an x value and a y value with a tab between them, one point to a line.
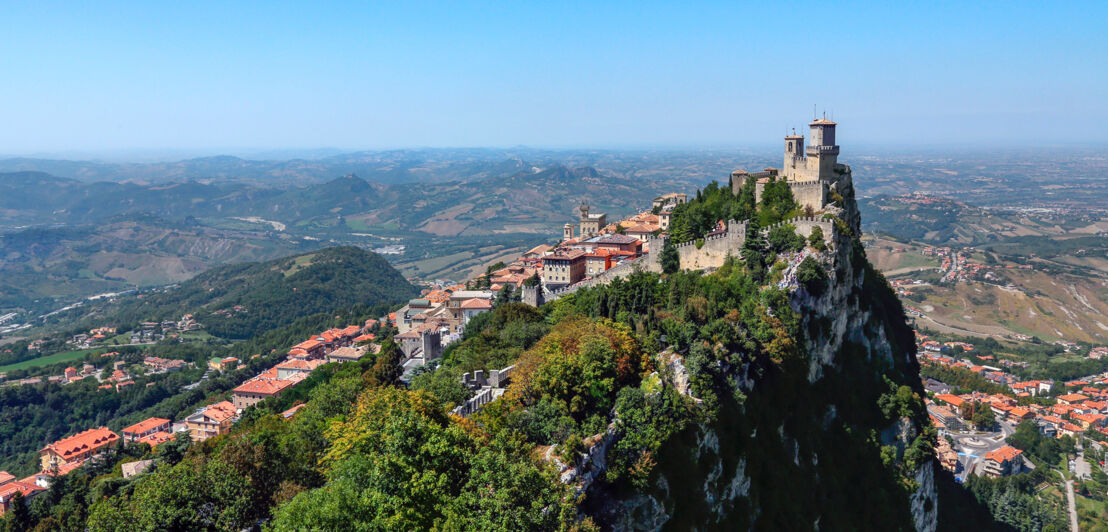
524	200
65	238
399	166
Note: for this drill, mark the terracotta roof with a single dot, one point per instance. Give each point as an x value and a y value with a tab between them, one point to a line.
565	255
351	330
6	477
1072	398
307	345
146	425
1003	454
298	365
156	439
347	352
82	441
476	303
365	338
642	228
263	386
26	488
950	398
287	414
220	411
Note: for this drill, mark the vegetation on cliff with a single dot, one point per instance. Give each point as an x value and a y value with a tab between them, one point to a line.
690	397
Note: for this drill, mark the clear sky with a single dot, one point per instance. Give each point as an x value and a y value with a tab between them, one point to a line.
223	76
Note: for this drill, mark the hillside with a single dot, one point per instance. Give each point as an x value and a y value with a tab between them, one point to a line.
684	400
270	294
40	265
1022	272
62	239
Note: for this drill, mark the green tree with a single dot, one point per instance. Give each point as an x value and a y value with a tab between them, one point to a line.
671	261
812	276
387	370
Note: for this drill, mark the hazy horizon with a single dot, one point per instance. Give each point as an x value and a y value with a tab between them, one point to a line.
209	78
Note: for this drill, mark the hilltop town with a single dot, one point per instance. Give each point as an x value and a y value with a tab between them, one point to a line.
978	402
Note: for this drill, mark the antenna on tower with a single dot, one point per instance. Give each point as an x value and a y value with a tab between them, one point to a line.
813	111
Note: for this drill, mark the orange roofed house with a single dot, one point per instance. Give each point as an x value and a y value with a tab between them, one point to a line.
255	390
9	487
76	449
212	421
1003	462
145	428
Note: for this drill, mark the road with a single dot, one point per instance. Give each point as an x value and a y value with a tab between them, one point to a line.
1072	503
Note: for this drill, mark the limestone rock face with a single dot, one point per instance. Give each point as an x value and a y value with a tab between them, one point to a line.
760	455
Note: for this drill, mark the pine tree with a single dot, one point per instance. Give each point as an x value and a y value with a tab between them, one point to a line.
671	260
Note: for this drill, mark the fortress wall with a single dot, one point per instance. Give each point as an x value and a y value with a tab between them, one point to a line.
809	194
805	224
715	250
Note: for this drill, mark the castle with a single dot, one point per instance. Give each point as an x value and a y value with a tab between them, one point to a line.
813	172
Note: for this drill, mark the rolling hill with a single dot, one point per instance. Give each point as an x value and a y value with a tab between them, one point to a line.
238	301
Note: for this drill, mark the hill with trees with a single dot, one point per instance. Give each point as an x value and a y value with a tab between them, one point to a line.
238	301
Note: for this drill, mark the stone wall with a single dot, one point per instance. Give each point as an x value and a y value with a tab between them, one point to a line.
805	224
713	250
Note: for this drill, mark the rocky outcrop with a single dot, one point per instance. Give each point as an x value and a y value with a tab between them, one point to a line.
802	453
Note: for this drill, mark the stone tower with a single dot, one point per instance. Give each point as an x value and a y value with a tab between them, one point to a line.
822	153
591	223
816	162
567	232
794	155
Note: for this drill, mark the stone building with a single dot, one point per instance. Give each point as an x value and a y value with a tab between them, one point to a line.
591	223
813	172
563	268
673	199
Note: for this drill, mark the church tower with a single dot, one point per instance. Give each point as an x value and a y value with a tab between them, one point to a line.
567	232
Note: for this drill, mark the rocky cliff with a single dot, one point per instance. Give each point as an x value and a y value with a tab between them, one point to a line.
834	441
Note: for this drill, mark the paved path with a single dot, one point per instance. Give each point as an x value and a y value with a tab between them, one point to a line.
1081	467
1072	503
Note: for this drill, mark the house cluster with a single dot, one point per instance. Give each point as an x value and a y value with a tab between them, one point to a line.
332	345
57	459
67	454
91	338
149	332
428	324
598	246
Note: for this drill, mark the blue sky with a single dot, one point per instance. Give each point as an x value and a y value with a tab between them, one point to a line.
216	77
